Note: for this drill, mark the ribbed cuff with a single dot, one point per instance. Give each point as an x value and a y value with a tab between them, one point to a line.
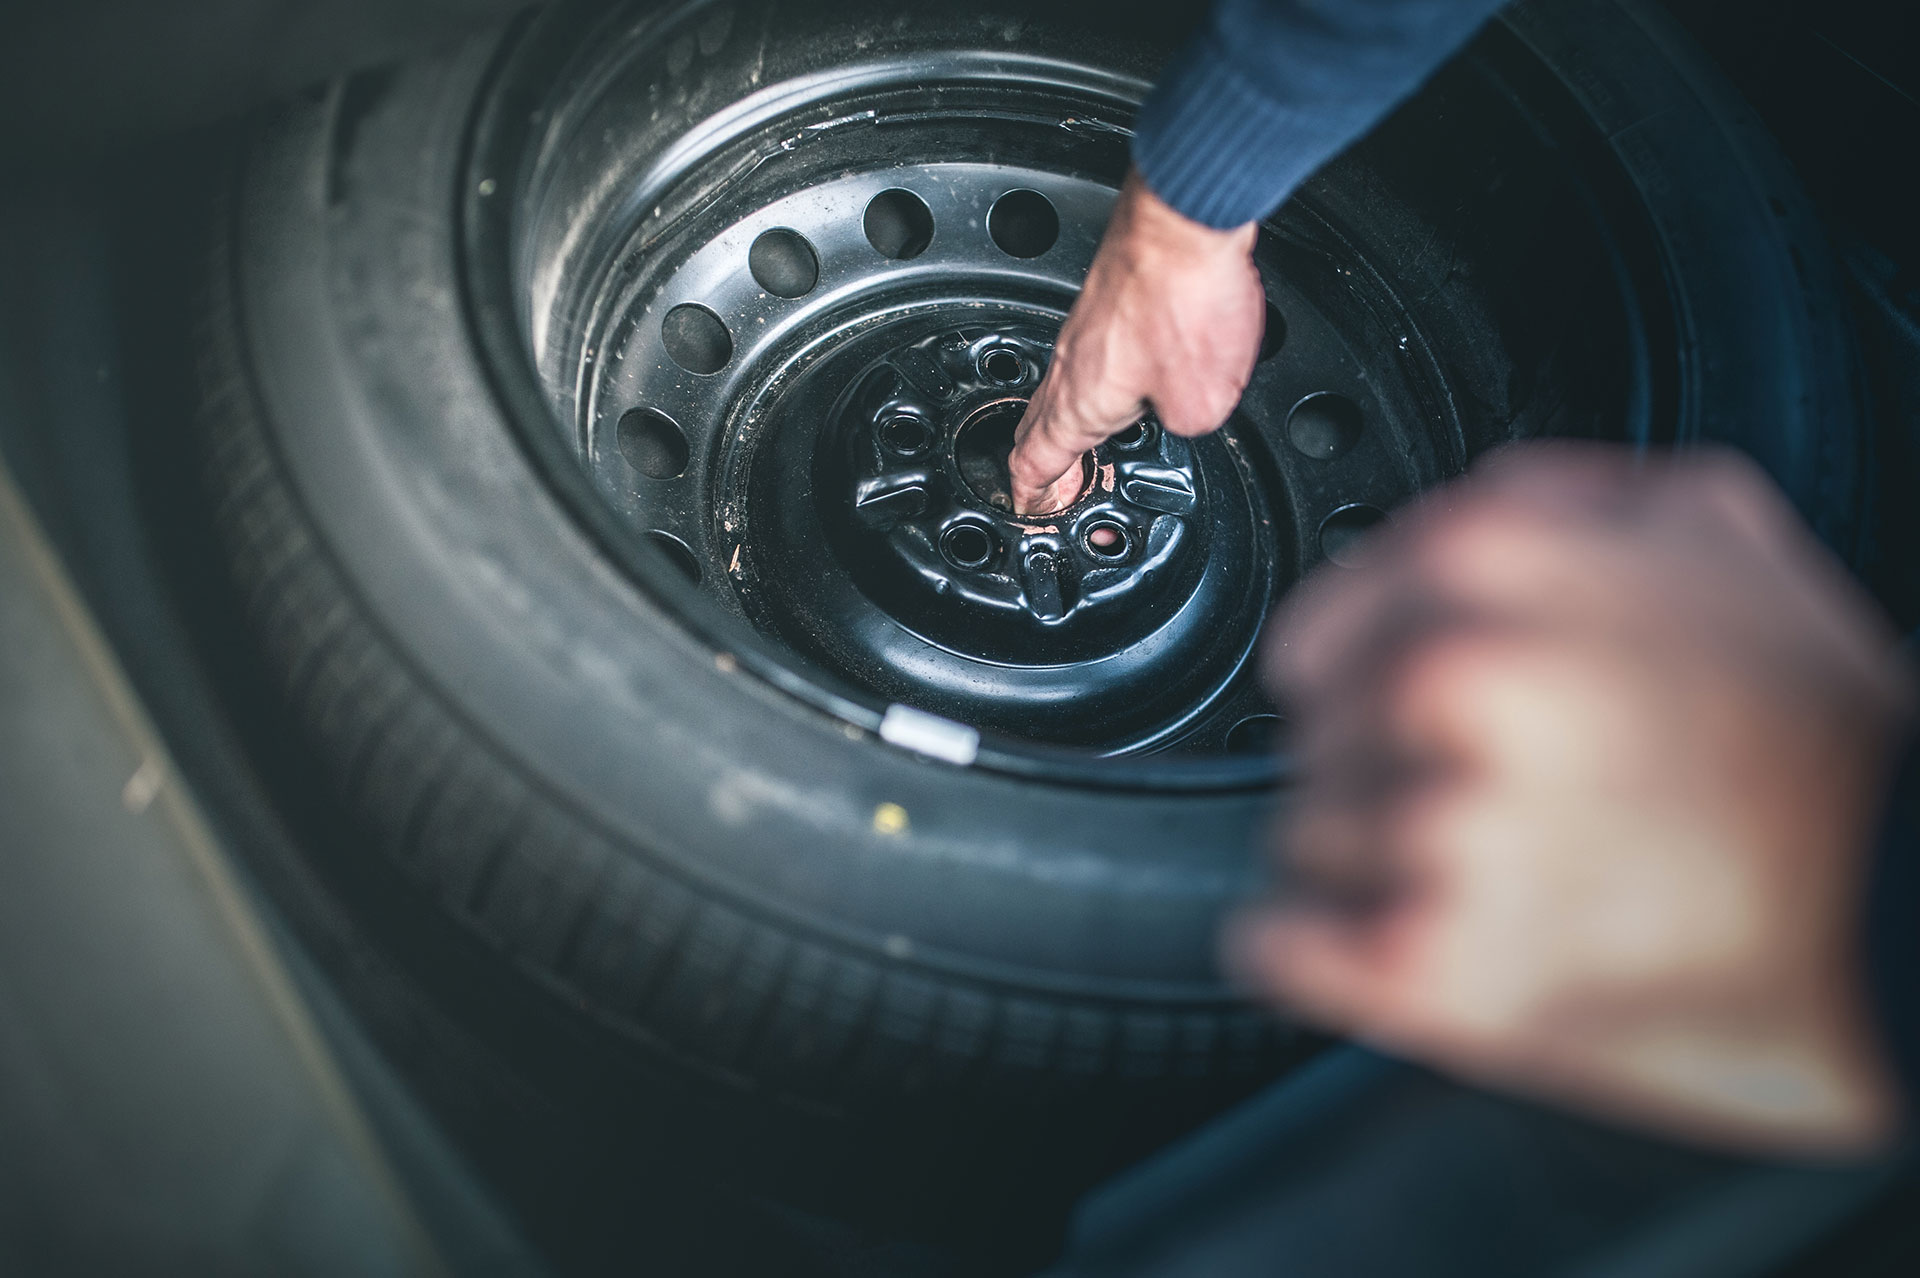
1218	150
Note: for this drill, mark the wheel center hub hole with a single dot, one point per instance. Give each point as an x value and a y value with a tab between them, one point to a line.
981	449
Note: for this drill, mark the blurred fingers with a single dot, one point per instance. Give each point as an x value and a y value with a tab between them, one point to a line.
1481	697
1462	556
1334	856
1565	478
1323	965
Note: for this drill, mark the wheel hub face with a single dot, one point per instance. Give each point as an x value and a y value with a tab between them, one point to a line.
847	364
924	437
1107	622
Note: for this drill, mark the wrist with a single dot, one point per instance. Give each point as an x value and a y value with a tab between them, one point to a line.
1154	227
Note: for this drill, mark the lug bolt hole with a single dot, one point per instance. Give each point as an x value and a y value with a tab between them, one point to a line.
967	546
1107	540
1003	366
905	434
1342	532
1134	437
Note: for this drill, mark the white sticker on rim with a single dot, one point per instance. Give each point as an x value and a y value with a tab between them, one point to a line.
929	734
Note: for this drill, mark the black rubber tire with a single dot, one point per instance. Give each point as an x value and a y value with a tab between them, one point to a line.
632	826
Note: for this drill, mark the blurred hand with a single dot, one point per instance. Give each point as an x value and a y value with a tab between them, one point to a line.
1592	754
1170	316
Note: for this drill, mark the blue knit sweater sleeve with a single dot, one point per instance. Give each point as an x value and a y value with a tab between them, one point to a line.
1270	90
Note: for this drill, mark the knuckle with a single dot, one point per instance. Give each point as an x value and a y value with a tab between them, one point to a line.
1197	415
1175	413
1728	483
1731	498
1723	469
1223	401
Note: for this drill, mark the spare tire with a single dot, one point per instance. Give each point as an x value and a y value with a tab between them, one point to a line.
810	828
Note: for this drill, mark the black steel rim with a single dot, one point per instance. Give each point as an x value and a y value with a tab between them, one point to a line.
746	394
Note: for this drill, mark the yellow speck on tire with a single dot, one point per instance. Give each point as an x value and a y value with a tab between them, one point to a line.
889	818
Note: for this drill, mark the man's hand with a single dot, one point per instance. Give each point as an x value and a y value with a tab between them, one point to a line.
1592	754
1170	316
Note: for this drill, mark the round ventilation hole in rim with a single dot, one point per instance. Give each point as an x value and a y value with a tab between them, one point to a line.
1324	426
898	224
652	443
783	263
1023	223
696	339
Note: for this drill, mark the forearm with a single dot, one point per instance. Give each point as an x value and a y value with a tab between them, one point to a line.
1270	90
